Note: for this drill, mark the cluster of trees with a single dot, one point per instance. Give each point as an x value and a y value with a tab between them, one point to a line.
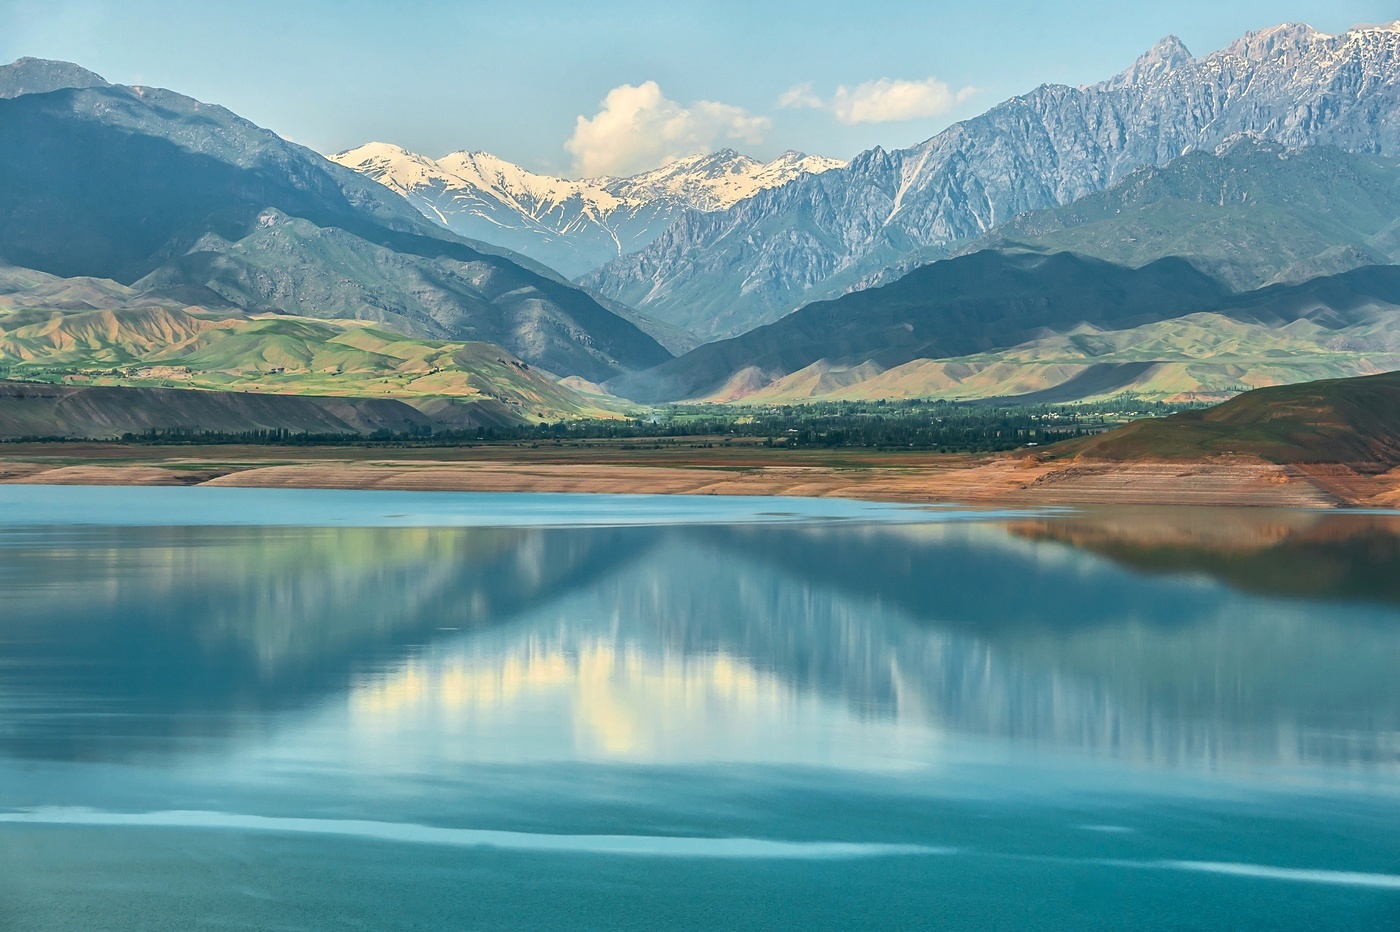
922	425
940	426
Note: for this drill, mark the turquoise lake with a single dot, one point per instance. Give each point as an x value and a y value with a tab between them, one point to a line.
248	709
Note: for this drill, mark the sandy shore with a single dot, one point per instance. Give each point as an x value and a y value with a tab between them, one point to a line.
842	474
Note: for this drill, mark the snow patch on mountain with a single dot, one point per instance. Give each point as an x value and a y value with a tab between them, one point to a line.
573	226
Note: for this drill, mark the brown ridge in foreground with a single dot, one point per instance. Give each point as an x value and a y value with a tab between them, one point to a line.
1350	422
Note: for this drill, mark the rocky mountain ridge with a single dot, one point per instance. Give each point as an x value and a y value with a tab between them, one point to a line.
720	274
572	226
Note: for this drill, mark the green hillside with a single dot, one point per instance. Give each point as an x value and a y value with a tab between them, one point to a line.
1351	421
161	345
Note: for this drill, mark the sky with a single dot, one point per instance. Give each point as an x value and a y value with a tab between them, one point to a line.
572	87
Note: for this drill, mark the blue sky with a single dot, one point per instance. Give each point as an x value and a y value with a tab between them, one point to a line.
515	78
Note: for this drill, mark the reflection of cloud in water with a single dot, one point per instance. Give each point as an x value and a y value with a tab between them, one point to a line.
591	696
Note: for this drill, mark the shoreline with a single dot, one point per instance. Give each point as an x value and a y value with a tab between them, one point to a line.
851	474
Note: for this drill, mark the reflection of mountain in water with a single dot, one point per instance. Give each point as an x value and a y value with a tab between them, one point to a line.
700	644
948	627
1291	554
162	627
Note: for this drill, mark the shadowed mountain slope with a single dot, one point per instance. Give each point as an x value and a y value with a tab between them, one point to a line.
965	305
29	409
994	324
187	200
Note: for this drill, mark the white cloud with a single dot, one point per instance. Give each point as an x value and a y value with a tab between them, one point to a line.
882	101
800	95
639	128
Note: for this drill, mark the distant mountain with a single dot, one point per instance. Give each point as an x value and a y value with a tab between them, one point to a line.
40	76
570	226
1251	214
975	303
186	200
721	273
1355	422
1336	326
1047	329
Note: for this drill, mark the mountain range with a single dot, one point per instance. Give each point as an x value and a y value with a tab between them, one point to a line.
1187	230
1253	214
187	201
1059	327
722	273
571	226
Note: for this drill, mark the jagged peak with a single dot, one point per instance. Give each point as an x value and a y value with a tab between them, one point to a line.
725	158
1168	48
1166	55
877	156
43	76
1263	43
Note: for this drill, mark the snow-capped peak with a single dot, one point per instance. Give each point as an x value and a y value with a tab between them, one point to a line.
388	164
720	179
486	197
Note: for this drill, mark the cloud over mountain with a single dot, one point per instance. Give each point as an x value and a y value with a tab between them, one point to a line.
640	128
881	101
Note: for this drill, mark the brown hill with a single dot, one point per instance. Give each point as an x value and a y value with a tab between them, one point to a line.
1355	422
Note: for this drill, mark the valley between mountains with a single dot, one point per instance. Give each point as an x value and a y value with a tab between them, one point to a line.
1189	231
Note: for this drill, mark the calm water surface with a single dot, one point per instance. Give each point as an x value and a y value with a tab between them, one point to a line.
341	710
